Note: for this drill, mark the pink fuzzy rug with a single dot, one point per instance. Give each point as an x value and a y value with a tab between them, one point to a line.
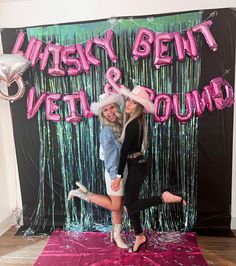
95	248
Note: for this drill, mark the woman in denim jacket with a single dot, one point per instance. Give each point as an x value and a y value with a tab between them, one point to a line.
108	110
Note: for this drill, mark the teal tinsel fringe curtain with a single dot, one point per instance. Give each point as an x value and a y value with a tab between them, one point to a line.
70	152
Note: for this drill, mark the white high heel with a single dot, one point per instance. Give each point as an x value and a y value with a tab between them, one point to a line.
116	236
82	187
81	193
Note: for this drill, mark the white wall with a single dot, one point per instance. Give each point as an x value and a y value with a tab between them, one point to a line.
20	13
10	197
233	197
16	13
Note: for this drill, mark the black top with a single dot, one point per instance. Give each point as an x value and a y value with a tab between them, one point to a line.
132	142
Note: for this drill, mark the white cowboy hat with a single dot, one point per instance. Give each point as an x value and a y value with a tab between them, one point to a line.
105	99
140	95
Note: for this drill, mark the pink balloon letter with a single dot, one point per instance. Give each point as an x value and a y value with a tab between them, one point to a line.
19	41
71	61
198	103
106	43
55	70
183	45
32	106
83	58
216	93
51	107
142	43
166	99
188	106
160	49
113	74
204	29
84	103
44	57
74	117
229	100
88	53
206	95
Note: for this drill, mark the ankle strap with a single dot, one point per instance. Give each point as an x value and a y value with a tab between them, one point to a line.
142	234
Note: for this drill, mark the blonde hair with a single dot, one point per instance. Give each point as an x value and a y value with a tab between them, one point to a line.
128	118
117	125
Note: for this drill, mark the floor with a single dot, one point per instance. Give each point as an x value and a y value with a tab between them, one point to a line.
220	251
22	251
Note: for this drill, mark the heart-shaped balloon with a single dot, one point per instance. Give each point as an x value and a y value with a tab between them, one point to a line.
12	66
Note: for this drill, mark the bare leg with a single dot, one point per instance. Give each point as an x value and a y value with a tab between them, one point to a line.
139	240
117	217
112	203
168	197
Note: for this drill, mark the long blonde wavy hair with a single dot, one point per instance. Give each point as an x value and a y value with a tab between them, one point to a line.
127	118
117	125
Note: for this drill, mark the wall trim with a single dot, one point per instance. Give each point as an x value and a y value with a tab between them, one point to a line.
5	224
233	223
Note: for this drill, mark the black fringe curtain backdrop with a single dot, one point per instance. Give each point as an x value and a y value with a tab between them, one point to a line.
197	156
215	133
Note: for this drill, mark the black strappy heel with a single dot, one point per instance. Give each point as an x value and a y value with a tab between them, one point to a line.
170	190
142	244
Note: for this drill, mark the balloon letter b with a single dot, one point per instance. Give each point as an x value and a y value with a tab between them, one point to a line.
142	43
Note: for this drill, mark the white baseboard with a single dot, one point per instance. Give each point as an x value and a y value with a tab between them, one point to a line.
233	223
5	224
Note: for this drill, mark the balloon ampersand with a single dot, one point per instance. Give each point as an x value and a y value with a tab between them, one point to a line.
113	74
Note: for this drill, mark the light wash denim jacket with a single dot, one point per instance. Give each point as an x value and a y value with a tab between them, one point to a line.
111	150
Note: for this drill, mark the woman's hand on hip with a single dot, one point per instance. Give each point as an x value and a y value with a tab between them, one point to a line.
115	185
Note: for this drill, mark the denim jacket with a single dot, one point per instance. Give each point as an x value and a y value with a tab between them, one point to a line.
111	150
